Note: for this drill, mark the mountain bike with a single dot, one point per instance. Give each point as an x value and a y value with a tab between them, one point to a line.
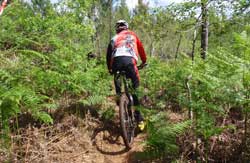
126	111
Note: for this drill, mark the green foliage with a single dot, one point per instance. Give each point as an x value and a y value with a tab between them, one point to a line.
162	135
93	100
43	58
107	114
215	85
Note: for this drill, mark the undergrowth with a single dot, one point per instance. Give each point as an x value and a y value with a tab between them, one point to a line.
208	89
44	61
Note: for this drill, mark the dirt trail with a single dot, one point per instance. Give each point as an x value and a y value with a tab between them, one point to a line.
72	139
108	142
114	151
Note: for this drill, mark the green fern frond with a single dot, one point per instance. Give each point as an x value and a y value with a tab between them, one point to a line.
43	117
93	100
34	53
162	139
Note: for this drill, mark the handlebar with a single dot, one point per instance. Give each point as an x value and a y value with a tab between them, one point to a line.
141	66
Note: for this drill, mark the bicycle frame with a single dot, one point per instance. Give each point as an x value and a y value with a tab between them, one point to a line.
127	119
126	85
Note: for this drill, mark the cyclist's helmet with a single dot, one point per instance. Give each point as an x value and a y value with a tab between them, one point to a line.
121	25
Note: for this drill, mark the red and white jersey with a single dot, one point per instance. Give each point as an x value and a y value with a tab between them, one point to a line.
2	6
125	43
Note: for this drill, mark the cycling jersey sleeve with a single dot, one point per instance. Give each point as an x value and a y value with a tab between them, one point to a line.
108	56
141	51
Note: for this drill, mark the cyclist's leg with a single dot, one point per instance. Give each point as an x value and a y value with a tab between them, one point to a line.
117	82
117	66
132	72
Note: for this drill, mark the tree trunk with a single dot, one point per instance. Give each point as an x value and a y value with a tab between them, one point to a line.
152	49
110	19
193	45
204	29
178	46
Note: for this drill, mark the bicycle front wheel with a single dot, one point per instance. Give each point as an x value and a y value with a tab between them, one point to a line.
126	121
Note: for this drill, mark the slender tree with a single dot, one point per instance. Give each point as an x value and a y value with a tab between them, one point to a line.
204	29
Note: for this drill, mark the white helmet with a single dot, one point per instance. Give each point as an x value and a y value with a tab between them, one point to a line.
121	25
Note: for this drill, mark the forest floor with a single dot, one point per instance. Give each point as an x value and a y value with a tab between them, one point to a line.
76	136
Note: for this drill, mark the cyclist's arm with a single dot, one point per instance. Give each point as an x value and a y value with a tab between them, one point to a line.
141	51
108	56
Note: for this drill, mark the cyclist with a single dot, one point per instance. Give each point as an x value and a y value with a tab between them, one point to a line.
122	54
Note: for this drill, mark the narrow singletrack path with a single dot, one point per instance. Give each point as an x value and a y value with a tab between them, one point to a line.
108	142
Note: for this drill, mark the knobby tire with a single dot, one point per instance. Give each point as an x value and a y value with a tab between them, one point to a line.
126	121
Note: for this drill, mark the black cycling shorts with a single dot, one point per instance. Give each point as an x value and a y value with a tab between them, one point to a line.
127	64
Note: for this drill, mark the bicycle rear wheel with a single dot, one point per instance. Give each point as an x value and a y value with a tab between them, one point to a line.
126	121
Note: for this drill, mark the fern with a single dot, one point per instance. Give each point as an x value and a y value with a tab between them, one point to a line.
93	100
34	53
161	141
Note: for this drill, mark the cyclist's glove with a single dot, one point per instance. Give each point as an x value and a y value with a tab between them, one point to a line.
110	72
142	65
